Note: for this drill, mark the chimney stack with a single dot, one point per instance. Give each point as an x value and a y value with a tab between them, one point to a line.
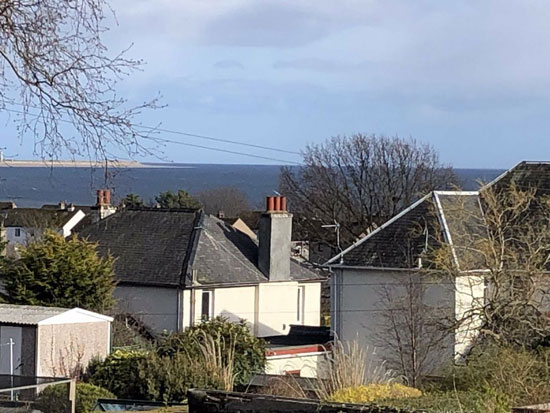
274	239
103	197
103	205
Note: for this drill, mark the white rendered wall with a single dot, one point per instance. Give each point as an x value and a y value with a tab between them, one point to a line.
309	364
358	308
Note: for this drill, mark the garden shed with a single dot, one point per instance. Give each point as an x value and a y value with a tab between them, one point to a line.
50	341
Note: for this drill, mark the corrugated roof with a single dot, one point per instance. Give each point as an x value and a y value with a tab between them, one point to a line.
27	314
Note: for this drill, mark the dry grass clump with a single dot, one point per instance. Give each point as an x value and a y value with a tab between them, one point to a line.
348	367
216	359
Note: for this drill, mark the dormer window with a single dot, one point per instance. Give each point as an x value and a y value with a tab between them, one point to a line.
17	232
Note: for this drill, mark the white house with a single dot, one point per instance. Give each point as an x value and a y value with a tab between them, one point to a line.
373	277
177	267
22	225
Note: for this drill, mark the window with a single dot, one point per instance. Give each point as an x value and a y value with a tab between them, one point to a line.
207	305
17	232
300	305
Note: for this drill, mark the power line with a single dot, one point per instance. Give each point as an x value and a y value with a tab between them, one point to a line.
193	135
225	151
233	142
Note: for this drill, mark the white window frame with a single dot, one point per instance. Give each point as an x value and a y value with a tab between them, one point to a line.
17	232
210	311
300	304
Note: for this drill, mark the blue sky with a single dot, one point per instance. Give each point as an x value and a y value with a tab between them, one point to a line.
472	78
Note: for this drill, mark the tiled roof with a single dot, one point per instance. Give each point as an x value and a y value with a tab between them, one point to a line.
224	255
150	246
27	314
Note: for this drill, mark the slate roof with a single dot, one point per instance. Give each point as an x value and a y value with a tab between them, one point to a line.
27	314
35	218
151	247
401	241
224	255
525	175
458	214
166	247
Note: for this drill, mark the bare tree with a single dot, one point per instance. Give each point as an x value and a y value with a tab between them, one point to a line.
412	333
508	248
229	199
59	80
360	182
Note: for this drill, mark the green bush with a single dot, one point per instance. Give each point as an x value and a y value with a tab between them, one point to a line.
53	399
481	401
249	357
119	373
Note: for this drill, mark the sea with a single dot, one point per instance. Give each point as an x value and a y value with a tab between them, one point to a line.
35	186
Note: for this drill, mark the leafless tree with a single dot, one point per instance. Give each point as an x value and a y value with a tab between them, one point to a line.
360	182
509	250
412	334
59	82
229	199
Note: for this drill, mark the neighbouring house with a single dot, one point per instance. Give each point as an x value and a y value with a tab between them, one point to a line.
51	341
22	225
177	267
371	277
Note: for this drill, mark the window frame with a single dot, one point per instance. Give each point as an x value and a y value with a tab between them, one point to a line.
210	310
300	304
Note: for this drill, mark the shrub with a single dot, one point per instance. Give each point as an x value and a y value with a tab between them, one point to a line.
119	373
248	350
522	375
373	392
53	399
473	401
62	272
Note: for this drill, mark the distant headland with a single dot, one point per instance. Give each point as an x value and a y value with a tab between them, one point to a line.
11	163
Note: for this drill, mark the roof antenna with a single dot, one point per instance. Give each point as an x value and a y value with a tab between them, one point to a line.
336	227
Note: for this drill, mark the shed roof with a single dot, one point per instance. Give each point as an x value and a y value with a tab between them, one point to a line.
38	315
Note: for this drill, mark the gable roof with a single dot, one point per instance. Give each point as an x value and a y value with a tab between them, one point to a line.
38	315
36	217
225	255
151	247
401	241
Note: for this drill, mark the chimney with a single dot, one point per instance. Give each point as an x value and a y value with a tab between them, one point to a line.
103	204
221	214
274	239
99	197
61	206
